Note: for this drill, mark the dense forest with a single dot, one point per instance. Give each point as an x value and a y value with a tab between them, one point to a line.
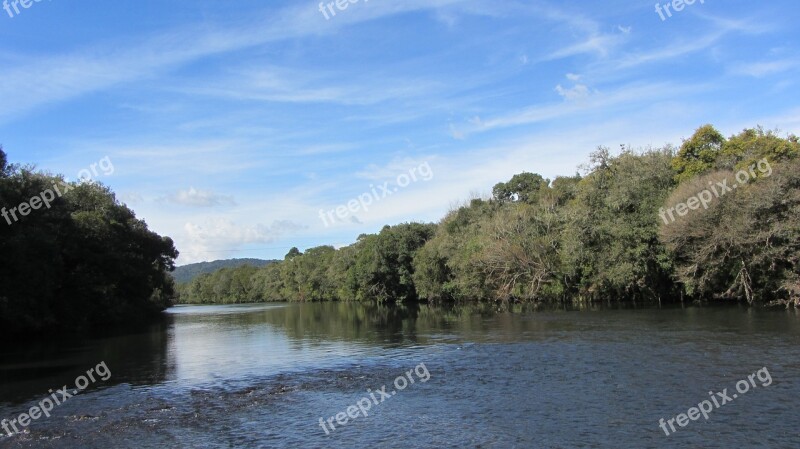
715	219
73	257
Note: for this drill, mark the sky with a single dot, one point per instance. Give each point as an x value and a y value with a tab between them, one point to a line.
244	128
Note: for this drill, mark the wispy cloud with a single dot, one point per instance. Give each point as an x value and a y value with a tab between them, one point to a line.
630	94
598	45
283	85
45	79
762	69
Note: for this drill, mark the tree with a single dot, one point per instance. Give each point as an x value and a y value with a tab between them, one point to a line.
753	145
312	269
4	168
563	189
610	246
383	270
525	187
520	258
85	260
745	246
294	252
699	153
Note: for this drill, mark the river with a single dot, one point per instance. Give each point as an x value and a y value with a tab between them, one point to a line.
277	376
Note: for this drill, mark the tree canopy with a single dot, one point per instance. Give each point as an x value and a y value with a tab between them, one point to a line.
83	260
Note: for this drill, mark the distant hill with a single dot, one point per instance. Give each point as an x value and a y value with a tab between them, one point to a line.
188	272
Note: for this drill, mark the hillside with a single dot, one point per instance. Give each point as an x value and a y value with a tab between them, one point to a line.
187	273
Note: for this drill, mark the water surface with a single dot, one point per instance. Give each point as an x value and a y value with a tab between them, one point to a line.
261	376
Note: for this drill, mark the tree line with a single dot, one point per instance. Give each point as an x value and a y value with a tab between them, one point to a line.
594	236
82	261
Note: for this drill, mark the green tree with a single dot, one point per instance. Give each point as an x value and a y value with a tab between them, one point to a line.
85	260
446	267
294	252
755	144
383	270
610	245
525	187
699	153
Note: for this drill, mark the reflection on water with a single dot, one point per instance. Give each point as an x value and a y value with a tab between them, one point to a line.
29	368
515	376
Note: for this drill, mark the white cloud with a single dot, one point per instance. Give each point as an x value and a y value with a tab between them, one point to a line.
200	198
577	92
221	234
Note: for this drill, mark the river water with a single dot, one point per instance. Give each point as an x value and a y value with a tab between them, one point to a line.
262	376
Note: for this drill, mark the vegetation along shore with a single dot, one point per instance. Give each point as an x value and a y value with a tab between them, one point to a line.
596	236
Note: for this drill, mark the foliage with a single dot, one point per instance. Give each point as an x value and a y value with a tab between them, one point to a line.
86	260
376	268
524	187
699	153
610	241
746	245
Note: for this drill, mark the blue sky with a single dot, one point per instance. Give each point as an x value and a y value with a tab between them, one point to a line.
231	124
